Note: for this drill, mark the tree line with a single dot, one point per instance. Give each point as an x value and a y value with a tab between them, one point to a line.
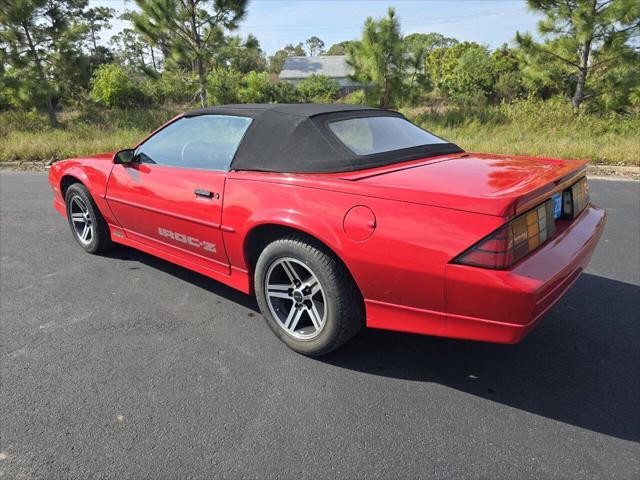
185	51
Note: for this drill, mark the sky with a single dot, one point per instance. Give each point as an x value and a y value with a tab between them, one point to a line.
278	22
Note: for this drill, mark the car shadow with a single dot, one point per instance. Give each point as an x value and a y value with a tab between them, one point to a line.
194	278
580	366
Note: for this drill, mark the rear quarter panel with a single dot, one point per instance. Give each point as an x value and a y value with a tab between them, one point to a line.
403	261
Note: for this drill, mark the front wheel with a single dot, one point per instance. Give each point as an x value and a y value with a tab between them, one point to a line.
88	226
307	296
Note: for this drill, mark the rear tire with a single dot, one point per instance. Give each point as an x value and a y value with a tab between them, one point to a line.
87	224
307	296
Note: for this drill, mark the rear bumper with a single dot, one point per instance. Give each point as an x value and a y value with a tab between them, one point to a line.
501	306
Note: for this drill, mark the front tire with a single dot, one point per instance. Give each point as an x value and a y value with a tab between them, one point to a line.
307	296
87	224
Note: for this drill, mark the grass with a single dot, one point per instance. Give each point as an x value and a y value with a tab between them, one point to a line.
527	128
546	129
59	144
27	137
608	148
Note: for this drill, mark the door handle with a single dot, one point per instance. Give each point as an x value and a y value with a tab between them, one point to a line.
203	193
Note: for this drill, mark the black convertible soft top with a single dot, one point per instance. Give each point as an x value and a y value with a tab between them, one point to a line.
294	138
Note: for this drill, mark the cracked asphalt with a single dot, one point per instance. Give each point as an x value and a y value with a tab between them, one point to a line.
125	366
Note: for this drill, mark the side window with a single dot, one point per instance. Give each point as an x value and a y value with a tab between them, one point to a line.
206	142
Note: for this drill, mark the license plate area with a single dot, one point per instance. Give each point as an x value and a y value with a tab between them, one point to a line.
557	205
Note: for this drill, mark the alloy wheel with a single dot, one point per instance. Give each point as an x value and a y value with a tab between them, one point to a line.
296	298
83	224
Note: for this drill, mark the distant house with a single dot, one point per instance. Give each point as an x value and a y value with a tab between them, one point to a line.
296	69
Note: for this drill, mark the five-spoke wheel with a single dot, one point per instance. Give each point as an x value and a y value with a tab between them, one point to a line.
307	296
81	219
296	298
87	224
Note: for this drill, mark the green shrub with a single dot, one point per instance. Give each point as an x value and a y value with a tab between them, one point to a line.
112	86
355	98
256	88
22	121
472	79
285	92
223	86
509	86
171	86
318	88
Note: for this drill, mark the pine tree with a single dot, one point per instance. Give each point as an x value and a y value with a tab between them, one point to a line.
378	59
98	18
42	38
587	36
191	30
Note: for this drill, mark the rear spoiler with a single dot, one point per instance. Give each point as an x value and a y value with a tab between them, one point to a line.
539	195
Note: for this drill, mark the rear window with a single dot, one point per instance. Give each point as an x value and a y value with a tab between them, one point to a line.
371	135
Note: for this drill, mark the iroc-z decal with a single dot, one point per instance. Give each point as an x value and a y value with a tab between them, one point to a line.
186	239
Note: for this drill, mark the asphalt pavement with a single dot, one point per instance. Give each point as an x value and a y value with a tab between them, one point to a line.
125	366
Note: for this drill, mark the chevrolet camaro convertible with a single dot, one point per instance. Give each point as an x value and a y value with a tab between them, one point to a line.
337	217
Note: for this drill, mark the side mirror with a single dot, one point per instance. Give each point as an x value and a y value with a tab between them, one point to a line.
124	156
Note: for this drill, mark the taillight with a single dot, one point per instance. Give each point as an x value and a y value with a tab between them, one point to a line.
575	199
511	242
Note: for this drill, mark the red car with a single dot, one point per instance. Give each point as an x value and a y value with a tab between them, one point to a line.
337	216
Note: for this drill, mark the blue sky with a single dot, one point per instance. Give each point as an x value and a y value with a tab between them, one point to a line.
278	22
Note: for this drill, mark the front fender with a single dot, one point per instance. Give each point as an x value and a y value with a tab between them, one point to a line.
92	173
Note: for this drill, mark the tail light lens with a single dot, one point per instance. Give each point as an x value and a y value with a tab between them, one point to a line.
575	199
511	242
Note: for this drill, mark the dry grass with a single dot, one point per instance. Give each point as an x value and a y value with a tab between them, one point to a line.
26	136
547	129
529	128
59	144
608	148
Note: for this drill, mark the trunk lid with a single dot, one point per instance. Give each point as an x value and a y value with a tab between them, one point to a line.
499	185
